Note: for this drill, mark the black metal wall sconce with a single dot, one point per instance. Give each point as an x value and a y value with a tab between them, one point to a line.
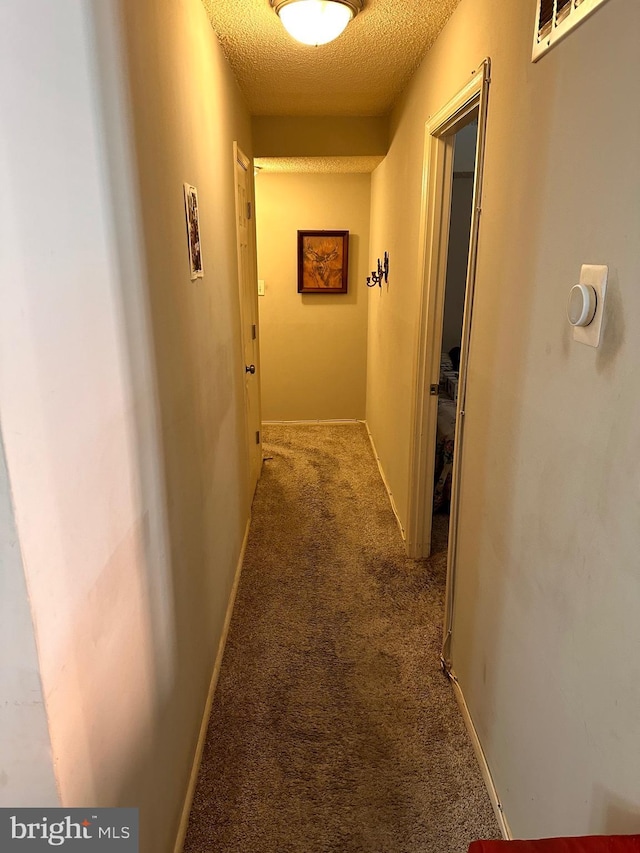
382	273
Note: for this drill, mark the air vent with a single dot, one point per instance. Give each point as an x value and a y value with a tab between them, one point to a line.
556	18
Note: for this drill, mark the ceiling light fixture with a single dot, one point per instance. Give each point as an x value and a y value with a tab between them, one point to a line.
316	22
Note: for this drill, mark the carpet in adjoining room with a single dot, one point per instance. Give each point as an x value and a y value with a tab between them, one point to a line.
333	727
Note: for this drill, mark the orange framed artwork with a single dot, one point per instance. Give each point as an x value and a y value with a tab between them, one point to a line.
323	261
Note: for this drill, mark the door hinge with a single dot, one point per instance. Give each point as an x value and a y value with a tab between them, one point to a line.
254	332
258	436
434	390
248	210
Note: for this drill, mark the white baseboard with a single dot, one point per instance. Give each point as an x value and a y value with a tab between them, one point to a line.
482	760
186	809
386	484
327	421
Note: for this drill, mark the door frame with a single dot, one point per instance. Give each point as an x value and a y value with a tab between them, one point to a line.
434	242
241	161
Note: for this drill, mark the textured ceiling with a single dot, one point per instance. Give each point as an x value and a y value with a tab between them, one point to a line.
360	73
323	165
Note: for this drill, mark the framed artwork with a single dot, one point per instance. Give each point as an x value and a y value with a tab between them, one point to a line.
193	231
323	261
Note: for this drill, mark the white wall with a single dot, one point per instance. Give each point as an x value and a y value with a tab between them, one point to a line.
313	347
26	768
546	633
120	381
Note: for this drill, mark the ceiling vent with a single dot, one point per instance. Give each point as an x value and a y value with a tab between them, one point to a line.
556	18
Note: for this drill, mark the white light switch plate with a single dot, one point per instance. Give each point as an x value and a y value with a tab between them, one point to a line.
260	287
596	276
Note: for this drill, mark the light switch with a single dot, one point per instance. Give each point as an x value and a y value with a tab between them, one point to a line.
585	309
582	305
260	287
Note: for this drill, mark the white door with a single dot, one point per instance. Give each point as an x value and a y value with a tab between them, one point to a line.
248	291
434	228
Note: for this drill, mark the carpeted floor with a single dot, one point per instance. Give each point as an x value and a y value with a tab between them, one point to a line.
333	728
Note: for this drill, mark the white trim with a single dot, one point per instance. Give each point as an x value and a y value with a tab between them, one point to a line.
197	758
482	760
241	159
434	236
434	231
326	421
577	12
249	318
386	484
452	556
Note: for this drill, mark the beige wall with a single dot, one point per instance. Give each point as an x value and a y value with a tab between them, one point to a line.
546	614
320	136
121	390
313	347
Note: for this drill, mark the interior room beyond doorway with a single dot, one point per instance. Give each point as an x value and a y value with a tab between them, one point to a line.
465	143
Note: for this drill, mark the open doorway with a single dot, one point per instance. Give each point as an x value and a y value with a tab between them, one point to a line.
464	156
467	107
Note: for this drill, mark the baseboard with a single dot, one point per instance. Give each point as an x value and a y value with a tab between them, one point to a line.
327	421
482	760
186	810
386	484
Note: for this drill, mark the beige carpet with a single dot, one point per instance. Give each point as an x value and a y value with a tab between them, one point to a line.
333	728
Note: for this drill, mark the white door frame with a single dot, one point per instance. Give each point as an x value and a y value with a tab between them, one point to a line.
249	320
434	242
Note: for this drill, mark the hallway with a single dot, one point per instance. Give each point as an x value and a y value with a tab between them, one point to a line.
333	728
124	447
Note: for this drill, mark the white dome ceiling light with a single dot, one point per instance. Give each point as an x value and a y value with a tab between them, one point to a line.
316	22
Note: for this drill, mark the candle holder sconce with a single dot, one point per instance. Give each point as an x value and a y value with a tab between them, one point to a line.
381	273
